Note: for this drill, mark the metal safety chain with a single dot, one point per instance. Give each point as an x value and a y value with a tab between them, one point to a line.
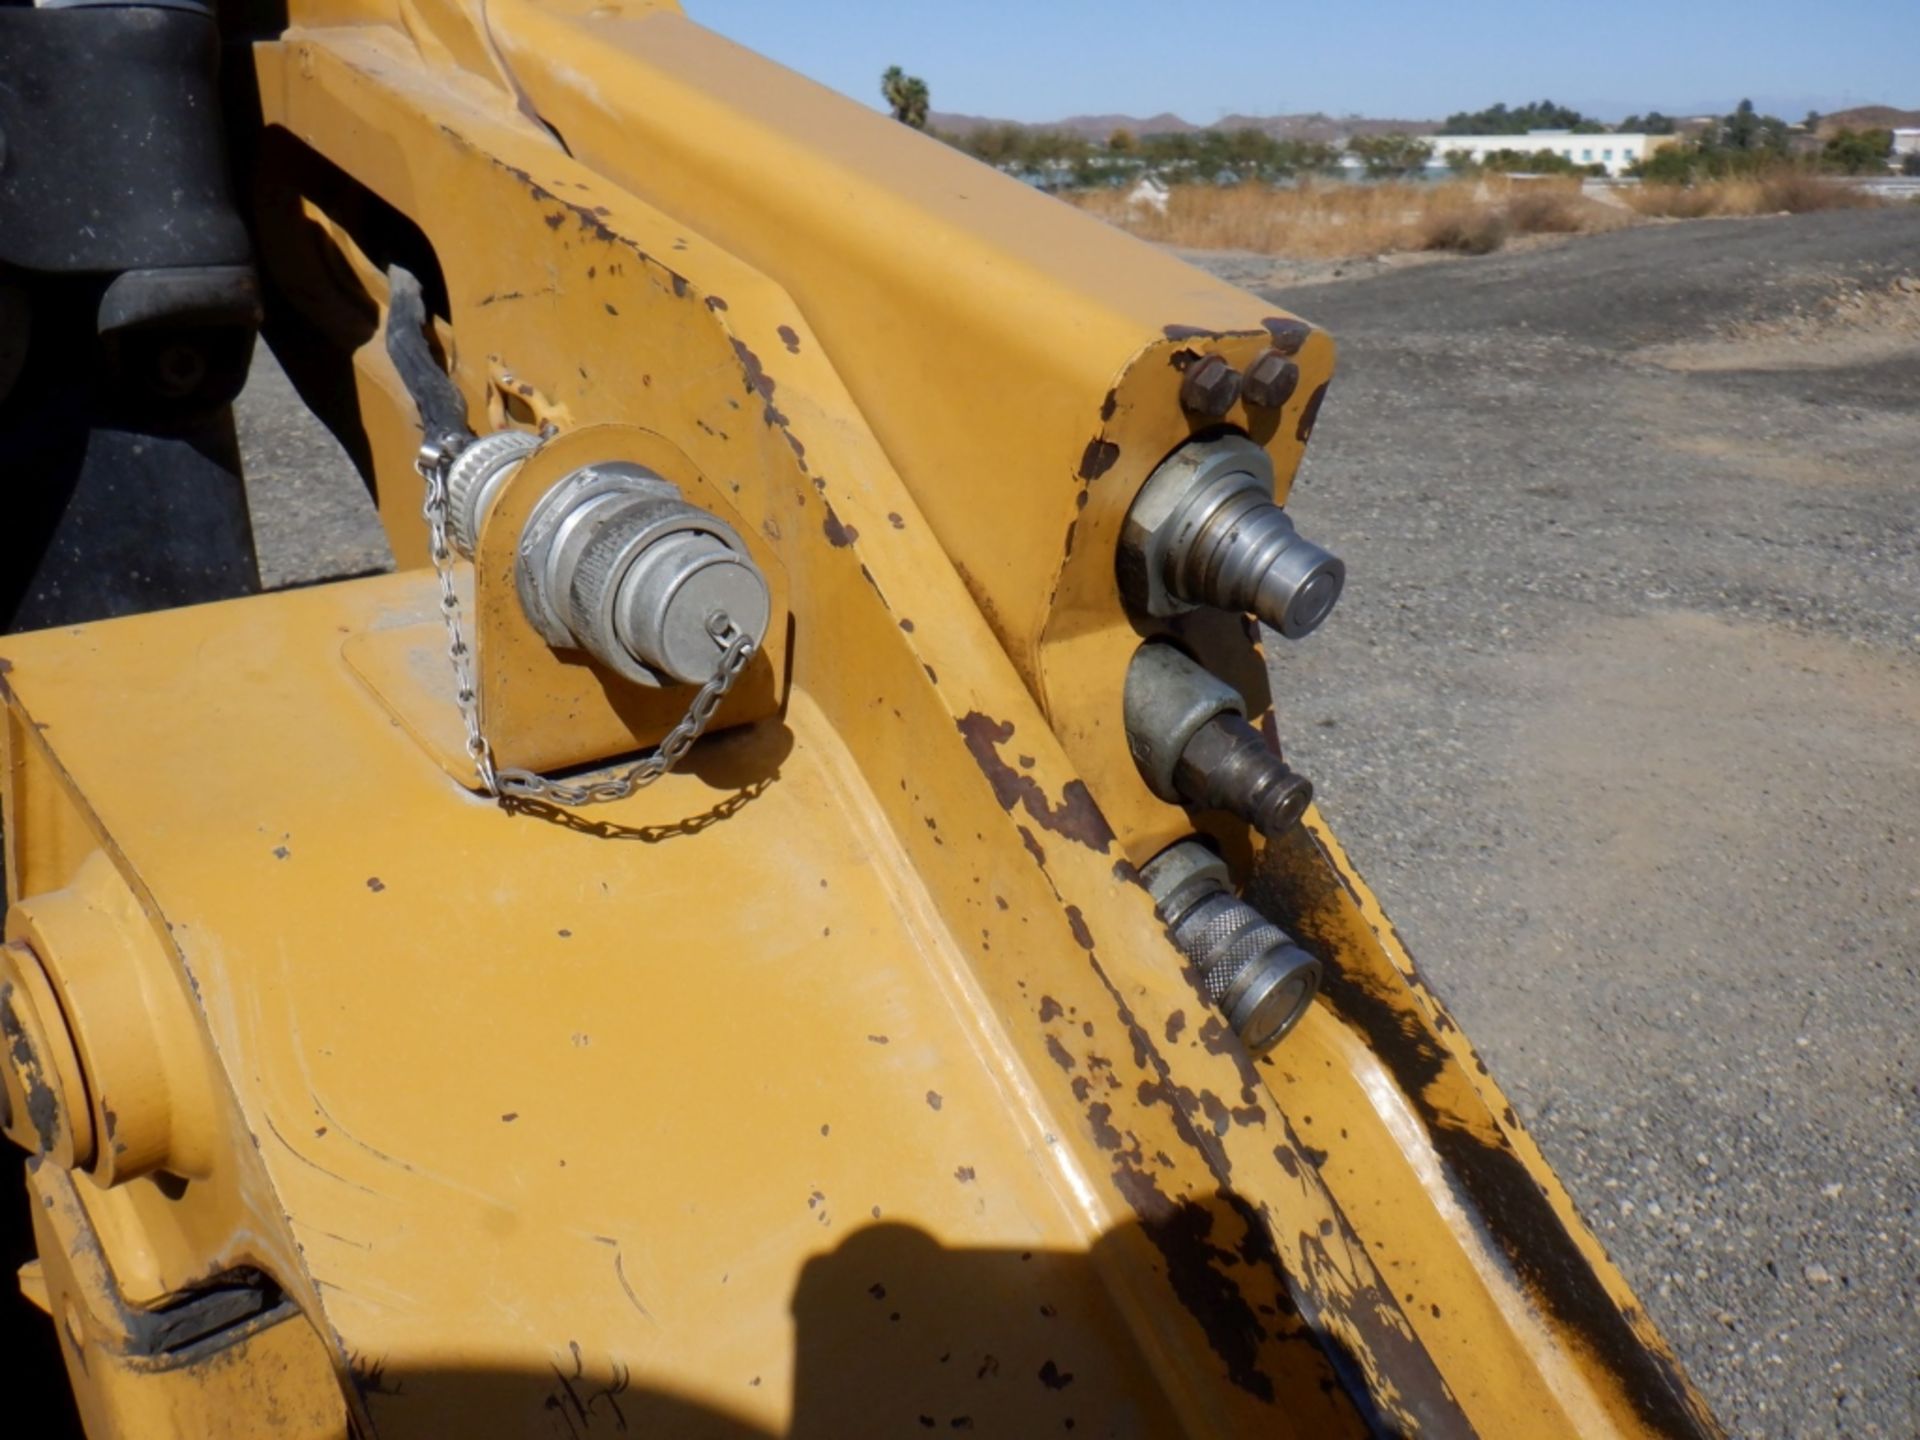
736	650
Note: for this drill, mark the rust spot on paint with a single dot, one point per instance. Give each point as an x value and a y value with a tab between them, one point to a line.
715	302
1098	458
838	535
933	1100
1075	817
906	625
1287	333
1057	1053
1050	1009
611	310
375	884
1083	937
554	222
790	338
1304	430
1033	846
1100	1118
1054	1378
964	1174
1176	1022
895	521
1110	404
1187	332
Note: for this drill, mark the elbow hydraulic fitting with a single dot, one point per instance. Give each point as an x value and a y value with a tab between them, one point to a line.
1189	735
1250	968
614	562
1204	531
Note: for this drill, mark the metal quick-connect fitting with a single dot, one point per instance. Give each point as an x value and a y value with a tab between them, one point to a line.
1204	531
1250	968
614	562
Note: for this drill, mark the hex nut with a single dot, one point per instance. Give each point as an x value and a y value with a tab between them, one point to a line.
1270	381
1210	387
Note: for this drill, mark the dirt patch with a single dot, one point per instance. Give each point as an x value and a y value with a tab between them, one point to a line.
1850	325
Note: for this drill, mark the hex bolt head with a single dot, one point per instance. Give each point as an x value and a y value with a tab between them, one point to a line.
1210	387
1270	381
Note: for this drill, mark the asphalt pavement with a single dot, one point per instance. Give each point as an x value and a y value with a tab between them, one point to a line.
1621	717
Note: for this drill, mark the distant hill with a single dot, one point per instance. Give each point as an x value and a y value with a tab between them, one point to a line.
1870	117
1322	127
1094	127
1099	127
1314	126
1327	128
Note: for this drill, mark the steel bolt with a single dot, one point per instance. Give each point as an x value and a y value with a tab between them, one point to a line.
1271	381
1210	387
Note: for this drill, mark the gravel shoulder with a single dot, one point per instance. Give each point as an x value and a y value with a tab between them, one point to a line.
1621	716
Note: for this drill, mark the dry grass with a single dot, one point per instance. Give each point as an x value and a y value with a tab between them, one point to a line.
1791	192
1338	220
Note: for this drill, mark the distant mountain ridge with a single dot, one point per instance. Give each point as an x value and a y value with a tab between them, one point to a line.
1319	126
1313	126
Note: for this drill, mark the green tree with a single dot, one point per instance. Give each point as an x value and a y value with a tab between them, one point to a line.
1388	156
1499	120
1749	131
1121	142
906	96
1536	162
1857	152
1651	123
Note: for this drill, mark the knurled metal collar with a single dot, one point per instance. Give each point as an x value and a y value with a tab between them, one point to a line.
474	478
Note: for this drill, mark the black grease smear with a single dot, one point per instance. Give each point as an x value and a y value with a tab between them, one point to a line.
1304	430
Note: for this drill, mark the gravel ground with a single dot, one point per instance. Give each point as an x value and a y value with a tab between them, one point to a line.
1621	715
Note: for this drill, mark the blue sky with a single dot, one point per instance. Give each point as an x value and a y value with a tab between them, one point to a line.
1046	59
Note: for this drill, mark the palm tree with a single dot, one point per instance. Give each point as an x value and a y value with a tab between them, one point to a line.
906	95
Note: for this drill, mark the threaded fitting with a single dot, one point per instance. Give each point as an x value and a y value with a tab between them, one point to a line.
1204	531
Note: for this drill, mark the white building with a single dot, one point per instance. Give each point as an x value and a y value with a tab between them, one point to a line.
1905	142
1614	152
